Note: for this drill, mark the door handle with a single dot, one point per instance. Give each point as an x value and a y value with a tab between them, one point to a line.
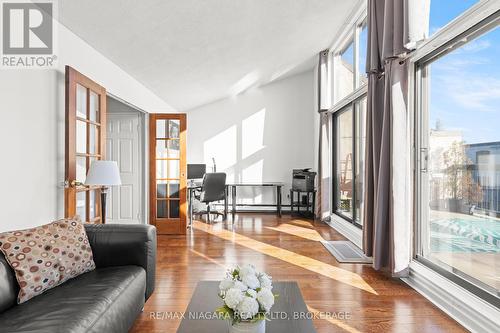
424	160
73	183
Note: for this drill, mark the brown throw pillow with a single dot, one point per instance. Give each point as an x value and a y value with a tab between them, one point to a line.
46	256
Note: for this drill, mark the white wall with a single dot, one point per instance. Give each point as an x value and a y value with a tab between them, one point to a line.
259	135
32	129
29	136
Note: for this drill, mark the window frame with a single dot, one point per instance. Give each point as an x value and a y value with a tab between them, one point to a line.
477	20
359	92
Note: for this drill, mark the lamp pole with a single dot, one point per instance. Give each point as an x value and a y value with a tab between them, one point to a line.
104	193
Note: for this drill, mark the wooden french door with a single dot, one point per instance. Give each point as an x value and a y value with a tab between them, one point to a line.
167	172
85	143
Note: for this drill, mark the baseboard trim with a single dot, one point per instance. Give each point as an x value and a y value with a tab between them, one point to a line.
346	229
470	311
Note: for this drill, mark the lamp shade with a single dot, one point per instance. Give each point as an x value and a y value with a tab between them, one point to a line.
103	173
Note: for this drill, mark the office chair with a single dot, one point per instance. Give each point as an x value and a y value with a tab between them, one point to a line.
213	189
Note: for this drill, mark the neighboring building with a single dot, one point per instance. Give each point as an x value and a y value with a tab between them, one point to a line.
485	159
481	159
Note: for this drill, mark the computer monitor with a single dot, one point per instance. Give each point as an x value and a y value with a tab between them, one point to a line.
196	171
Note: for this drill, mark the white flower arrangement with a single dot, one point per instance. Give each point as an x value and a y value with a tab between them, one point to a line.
247	294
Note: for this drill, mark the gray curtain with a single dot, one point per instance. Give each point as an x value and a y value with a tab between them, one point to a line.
323	188
387	80
323	87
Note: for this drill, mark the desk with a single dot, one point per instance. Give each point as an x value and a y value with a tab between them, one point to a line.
232	188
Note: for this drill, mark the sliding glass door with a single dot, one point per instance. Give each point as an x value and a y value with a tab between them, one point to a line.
348	157
459	170
344	151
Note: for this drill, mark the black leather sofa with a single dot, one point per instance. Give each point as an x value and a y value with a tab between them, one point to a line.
108	299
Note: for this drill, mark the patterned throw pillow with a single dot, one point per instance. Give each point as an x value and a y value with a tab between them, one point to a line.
46	256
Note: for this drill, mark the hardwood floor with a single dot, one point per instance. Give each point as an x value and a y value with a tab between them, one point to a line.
357	298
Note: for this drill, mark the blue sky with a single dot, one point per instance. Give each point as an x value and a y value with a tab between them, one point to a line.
465	84
443	11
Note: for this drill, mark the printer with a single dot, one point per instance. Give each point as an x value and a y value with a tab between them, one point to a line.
303	180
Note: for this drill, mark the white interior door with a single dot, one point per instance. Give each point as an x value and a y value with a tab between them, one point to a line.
123	146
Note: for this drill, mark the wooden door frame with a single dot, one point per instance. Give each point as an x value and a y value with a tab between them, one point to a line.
72	78
181	226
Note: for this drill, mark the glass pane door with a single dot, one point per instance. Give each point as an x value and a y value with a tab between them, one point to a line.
168	182
85	133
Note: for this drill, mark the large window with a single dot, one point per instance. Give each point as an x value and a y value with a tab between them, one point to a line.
344	72
349	61
459	139
349	112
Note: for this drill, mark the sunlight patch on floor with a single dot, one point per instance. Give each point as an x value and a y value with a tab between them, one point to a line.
207	258
294	230
301	223
313	265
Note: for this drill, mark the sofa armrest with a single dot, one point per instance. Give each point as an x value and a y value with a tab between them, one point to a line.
125	244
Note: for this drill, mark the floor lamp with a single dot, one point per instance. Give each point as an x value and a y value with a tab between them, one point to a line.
104	174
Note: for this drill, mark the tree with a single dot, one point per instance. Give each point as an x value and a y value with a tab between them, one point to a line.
459	183
472	192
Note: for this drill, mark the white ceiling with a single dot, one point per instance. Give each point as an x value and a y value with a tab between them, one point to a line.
193	52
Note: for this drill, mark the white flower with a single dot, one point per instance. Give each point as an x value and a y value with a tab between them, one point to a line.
248	308
265	281
252	293
240	285
247	270
265	298
233	297
251	281
226	284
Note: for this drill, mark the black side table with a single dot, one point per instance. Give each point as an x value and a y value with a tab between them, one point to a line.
303	199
